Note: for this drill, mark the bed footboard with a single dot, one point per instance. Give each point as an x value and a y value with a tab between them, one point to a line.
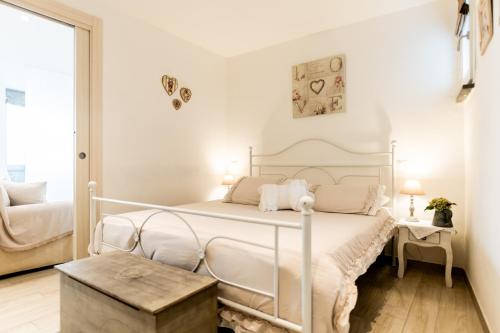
304	226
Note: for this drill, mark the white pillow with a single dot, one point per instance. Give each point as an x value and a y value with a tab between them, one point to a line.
380	201
310	187
4	197
26	193
273	197
286	196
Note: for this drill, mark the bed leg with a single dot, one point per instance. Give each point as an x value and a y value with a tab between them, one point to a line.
394	248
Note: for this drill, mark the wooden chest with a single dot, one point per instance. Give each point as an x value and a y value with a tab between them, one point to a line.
121	292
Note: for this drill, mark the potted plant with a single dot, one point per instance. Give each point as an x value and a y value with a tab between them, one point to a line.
443	213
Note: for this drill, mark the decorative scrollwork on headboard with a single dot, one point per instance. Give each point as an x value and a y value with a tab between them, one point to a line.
298	169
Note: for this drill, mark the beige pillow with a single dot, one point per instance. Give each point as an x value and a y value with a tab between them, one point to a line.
246	190
26	193
349	199
4	197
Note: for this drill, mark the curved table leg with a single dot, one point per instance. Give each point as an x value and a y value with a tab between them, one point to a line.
449	264
401	259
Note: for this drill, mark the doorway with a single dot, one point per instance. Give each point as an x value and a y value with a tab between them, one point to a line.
50	121
37	116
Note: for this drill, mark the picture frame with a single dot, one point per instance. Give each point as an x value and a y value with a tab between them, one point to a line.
485	24
318	87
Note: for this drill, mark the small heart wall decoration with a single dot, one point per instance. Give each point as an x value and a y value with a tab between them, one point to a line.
185	94
169	83
317	85
176	103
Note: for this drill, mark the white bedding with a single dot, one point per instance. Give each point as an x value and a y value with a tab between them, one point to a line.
343	246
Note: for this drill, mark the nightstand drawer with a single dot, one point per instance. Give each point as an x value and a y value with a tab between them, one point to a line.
431	239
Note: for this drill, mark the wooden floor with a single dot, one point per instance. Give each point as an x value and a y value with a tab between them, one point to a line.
418	303
30	303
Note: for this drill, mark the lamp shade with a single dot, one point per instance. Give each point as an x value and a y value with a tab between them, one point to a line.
412	187
228	180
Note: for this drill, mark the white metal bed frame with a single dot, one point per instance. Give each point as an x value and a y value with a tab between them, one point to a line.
304	226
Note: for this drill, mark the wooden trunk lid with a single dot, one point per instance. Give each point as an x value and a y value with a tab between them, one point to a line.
138	282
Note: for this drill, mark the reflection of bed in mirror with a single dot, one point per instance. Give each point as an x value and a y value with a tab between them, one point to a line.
267	262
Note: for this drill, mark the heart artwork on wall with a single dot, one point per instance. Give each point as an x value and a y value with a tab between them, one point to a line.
185	94
169	83
317	85
176	103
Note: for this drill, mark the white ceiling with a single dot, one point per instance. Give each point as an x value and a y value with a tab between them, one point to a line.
232	27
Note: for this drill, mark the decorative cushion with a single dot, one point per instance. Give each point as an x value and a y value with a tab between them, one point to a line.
351	199
246	190
310	187
26	193
284	196
380	202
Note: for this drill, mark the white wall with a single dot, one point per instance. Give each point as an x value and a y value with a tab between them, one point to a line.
483	179
152	153
401	84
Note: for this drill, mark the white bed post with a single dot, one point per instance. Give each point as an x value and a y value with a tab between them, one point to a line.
393	195
306	203
93	215
393	173
250	160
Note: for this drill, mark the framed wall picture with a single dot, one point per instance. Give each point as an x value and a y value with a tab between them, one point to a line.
485	21
318	87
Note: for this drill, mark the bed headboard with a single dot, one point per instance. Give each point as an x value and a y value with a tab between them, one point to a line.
335	163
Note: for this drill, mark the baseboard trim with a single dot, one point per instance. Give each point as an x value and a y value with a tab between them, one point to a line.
28	271
483	321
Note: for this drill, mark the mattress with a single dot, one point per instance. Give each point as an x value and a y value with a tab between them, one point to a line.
343	247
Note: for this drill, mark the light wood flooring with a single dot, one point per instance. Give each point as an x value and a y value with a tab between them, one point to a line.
29	303
418	303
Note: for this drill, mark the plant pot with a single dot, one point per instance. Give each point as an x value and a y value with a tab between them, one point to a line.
443	219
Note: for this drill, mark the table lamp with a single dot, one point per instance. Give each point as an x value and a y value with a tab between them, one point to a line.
412	187
228	180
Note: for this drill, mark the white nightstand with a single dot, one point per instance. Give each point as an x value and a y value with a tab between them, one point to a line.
440	237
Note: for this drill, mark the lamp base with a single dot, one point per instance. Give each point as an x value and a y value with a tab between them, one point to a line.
412	219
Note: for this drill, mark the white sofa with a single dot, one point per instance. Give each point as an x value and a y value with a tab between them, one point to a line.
33	235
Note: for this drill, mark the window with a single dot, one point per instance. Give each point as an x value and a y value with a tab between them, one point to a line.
15	97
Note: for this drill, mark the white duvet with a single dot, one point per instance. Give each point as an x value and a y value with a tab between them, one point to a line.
343	246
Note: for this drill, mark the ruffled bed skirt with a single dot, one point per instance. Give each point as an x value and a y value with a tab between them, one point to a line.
242	323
